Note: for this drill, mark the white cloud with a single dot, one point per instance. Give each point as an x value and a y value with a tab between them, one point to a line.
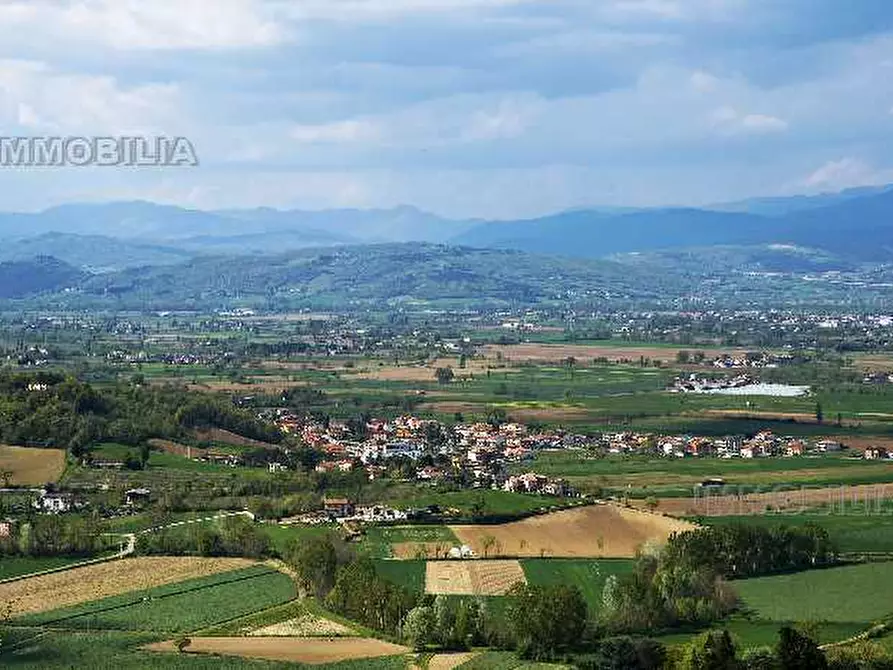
728	121
36	97
847	172
349	132
138	25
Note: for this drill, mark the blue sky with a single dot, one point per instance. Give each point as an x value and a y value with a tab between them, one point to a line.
492	108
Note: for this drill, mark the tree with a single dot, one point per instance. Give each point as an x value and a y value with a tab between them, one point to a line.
759	658
819	413
628	653
797	651
713	650
444	375
183	644
683	357
420	628
546	621
316	561
571	364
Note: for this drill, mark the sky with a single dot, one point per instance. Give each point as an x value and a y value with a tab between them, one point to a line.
466	108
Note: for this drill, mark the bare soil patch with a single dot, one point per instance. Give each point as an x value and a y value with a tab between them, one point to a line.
450	661
307	625
420	373
425	550
226	437
472	577
31	467
603	531
774	501
314	651
93	582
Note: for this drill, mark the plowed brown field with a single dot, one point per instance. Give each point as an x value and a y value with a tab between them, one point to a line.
472	577
31	467
314	651
607	531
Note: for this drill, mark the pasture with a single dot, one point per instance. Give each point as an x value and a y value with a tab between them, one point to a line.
587	575
849	594
25	466
598	531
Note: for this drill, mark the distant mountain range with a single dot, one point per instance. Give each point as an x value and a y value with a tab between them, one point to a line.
854	226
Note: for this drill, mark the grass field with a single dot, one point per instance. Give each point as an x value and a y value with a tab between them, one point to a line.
851	594
179	607
380	541
587	575
410	574
25	466
16	566
493	503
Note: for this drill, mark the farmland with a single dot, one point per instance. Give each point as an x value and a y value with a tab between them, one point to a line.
477	578
24	466
308	651
851	594
604	531
86	584
179	607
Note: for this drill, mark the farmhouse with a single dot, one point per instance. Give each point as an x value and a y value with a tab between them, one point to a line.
875	453
138	496
54	503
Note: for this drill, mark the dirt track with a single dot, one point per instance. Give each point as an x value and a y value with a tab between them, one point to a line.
599	531
314	651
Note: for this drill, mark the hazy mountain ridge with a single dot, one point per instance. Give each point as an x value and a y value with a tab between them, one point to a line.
852	226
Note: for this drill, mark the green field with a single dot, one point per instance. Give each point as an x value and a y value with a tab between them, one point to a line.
856	594
379	540
15	566
409	574
586	574
177	608
494	503
282	536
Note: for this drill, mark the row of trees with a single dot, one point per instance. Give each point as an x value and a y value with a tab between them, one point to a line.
233	536
53	536
737	550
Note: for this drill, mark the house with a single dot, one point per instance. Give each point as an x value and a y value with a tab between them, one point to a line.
6	527
337	507
54	503
828	445
875	453
136	496
277	467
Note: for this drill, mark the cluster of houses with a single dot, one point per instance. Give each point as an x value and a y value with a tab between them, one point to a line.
481	452
763	444
751	360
